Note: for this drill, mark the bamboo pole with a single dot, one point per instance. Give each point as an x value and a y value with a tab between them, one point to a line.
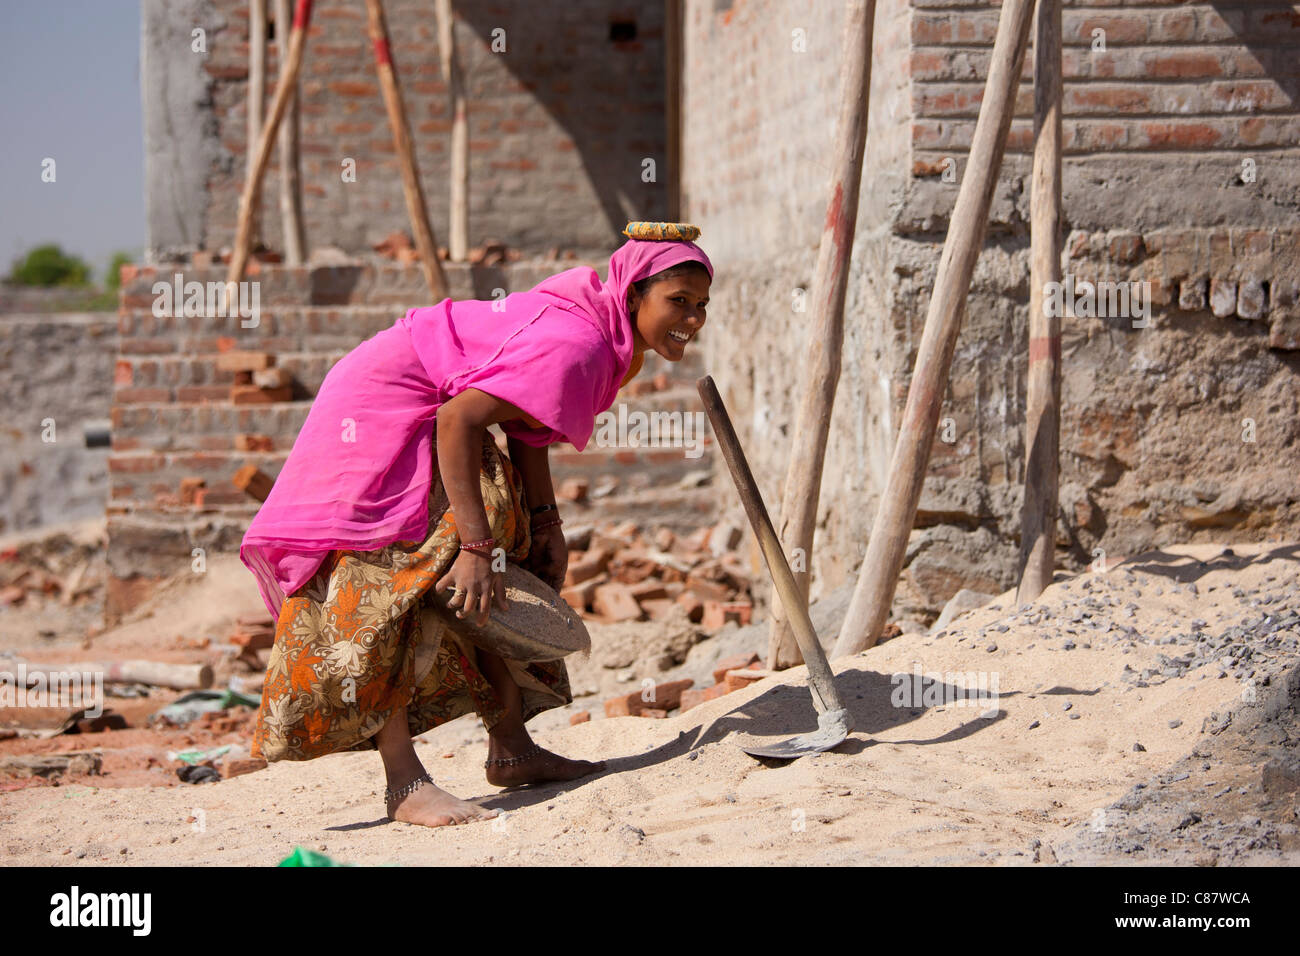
248	200
415	207
256	88
295	237
454	77
883	563
1043	411
825	335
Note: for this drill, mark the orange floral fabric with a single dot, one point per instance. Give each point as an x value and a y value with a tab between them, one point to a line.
358	641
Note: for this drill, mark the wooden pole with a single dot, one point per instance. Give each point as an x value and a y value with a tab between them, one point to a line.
415	207
295	238
248	200
1043	410
454	77
883	563
256	87
820	357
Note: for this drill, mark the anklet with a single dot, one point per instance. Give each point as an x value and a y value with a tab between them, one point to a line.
512	761
390	795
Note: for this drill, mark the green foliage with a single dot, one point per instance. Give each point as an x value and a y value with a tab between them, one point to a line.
50	266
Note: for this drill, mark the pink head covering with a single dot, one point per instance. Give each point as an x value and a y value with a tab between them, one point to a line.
359	474
606	303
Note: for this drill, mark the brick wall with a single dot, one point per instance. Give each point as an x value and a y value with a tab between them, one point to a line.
561	122
1163	101
1158	127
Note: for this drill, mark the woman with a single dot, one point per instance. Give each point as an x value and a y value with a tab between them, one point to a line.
394	486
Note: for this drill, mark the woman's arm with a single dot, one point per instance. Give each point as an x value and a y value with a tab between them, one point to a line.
461	421
534	465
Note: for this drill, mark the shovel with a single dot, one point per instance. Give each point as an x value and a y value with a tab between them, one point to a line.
833	721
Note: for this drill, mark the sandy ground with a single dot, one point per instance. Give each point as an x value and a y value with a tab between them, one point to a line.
1143	654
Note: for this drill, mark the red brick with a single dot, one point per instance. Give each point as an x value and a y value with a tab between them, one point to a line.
213	497
252	395
202	393
352	89
122	373
139	346
614	601
631	566
740	679
657	608
694	606
581	717
733	663
190	488
1106	99
135	464
242	361
649	590
667	697
1175	135
1183	65
707	590
579	596
587	566
573	489
141	396
254	443
1120	28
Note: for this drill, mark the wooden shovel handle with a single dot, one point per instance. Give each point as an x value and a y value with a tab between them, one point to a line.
819	669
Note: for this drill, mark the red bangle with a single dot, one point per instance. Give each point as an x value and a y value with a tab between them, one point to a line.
542	526
475	545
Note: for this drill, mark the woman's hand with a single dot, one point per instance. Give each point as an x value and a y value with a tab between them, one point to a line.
548	557
471	574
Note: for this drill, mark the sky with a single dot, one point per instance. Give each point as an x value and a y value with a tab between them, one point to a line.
70	91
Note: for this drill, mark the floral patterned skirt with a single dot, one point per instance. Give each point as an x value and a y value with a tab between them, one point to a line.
358	641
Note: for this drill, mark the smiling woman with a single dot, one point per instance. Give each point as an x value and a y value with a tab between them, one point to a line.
395	489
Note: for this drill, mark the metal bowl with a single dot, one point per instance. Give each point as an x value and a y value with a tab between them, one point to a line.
537	626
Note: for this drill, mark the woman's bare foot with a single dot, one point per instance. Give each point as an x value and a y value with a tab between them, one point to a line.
431	806
541	766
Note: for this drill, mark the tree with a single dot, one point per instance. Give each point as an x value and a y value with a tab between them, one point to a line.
50	266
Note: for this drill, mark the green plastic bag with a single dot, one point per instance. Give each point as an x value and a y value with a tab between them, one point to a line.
301	856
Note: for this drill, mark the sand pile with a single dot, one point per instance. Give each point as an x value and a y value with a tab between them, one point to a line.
1172	671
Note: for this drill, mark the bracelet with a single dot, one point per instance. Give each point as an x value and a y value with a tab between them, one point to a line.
552	523
543	508
475	546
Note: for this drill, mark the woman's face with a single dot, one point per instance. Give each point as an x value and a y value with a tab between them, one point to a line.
670	314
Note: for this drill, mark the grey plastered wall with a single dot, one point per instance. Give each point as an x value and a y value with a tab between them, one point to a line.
59	367
179	129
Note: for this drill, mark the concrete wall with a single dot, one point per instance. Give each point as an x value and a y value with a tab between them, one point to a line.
562	123
1158	128
56	366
